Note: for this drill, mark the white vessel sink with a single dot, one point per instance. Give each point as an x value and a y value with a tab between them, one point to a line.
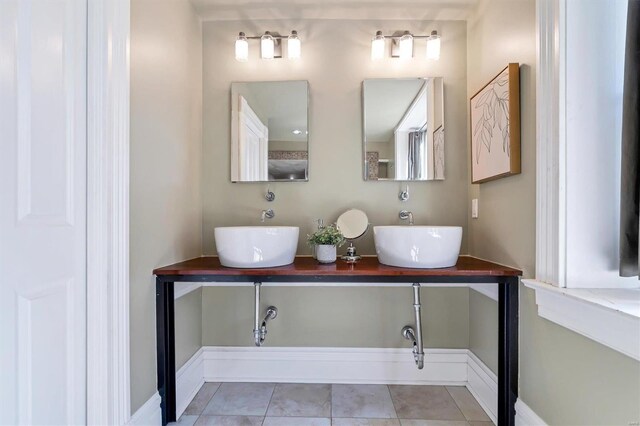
418	246
256	246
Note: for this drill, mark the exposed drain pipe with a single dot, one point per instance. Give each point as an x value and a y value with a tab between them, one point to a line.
415	336
260	328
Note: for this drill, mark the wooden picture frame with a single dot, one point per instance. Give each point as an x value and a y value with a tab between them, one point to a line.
438	153
494	113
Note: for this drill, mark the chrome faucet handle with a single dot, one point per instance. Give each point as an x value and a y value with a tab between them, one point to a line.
404	195
270	195
267	214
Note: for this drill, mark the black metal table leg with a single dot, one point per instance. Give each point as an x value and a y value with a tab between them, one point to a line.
508	351
165	340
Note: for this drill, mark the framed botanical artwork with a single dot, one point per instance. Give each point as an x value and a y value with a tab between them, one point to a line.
495	127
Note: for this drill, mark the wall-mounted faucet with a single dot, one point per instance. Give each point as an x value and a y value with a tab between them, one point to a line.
404	195
404	215
267	214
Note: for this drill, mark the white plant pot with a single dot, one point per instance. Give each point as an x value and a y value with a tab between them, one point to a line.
326	253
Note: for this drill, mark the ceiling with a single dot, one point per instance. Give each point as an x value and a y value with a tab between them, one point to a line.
225	10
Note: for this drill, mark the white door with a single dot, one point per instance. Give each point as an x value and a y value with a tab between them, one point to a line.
253	137
43	211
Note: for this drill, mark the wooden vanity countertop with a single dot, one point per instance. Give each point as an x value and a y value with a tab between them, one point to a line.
306	266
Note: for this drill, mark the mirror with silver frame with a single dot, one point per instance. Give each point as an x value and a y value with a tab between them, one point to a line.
403	134
270	131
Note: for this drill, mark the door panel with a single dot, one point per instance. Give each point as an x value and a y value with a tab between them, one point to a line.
43	211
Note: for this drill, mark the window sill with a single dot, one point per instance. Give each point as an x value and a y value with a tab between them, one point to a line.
608	316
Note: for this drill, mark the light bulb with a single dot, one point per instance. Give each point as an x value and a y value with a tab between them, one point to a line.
266	46
406	46
242	48
377	46
433	46
293	46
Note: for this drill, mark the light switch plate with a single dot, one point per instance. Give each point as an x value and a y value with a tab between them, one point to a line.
474	208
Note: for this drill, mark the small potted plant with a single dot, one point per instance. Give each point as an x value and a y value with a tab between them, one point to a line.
326	240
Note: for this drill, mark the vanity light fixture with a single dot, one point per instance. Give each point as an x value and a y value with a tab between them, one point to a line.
242	47
377	46
402	45
270	45
267	46
297	132
433	46
293	45
406	45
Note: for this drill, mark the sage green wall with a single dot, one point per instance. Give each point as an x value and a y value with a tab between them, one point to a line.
565	378
335	61
499	32
483	328
166	141
336	316
188	326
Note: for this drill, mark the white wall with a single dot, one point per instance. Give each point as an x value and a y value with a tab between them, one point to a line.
166	142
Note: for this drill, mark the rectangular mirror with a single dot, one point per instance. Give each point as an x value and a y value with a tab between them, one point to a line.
403	129
269	131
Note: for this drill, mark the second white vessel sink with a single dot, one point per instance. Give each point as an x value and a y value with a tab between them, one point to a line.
418	246
256	246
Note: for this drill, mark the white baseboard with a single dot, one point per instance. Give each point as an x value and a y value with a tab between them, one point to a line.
455	367
483	385
149	414
333	365
189	380
525	416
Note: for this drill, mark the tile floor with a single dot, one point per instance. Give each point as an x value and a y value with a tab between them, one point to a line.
291	404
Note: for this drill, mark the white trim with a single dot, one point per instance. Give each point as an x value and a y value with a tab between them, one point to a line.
489	290
551	142
108	381
483	385
583	312
525	416
332	284
333	365
189	380
149	414
183	288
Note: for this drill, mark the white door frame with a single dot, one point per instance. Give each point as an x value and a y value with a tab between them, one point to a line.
108	381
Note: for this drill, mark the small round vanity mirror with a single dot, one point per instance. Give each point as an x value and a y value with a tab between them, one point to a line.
353	224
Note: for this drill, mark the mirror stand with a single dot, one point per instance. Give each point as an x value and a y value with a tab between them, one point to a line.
353	224
352	256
